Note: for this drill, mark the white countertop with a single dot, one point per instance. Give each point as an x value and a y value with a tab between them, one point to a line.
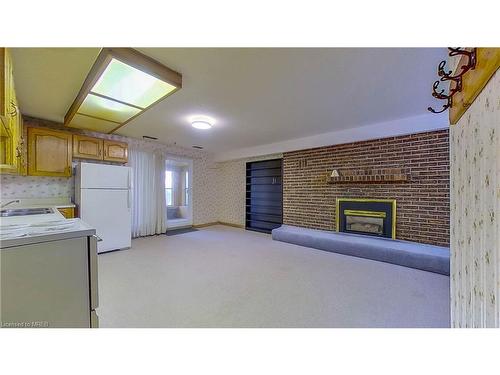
29	229
73	228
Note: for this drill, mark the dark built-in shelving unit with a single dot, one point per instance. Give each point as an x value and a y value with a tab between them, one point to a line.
264	195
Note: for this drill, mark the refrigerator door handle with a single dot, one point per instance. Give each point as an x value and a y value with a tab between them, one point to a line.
128	199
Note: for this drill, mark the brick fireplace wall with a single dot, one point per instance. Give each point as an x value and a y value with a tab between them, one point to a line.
423	201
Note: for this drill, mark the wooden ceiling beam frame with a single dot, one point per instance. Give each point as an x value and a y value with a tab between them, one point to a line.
134	59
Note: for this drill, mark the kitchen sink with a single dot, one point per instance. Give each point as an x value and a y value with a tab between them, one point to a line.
25	211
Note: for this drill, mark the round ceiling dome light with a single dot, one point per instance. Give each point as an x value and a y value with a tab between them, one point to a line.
201	124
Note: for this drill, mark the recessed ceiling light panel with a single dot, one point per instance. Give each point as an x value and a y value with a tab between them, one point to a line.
130	85
121	85
106	109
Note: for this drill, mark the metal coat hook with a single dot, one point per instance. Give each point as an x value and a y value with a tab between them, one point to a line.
456	79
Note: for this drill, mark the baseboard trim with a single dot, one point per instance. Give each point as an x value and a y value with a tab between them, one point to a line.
205	225
232	225
218	223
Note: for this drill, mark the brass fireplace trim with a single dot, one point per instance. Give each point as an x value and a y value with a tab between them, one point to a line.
365	213
392	201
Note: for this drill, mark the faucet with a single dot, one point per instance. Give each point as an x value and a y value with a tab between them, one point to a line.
10	202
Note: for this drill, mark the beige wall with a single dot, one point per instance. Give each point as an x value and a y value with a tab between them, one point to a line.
475	212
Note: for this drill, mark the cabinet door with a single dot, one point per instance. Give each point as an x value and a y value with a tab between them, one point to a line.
67	212
115	151
4	85
11	146
16	125
6	165
21	152
49	152
5	136
87	147
47	283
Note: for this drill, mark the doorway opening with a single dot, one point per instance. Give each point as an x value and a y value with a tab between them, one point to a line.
178	192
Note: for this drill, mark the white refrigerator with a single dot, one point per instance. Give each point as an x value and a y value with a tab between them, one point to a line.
103	195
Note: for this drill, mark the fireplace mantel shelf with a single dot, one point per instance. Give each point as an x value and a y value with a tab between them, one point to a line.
379	176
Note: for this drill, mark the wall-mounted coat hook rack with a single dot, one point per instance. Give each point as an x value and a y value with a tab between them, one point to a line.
455	81
442	96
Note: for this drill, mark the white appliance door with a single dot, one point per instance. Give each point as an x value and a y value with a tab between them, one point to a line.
46	284
108	211
102	176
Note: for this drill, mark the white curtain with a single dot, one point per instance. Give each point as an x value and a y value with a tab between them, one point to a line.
148	209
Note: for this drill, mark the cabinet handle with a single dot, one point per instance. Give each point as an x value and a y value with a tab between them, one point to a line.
98	239
14	109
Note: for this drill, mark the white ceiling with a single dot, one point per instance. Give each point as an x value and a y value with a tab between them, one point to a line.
257	96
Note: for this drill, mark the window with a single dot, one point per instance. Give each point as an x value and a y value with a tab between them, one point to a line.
168	188
186	188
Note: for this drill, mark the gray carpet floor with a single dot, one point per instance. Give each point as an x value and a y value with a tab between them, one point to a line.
227	277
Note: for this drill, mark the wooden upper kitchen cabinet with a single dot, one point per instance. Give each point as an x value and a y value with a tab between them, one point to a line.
87	147
11	134
49	152
67	212
115	151
5	85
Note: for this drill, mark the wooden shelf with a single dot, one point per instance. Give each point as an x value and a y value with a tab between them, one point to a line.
264	195
473	82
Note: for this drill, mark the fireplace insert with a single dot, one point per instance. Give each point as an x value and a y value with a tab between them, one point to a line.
372	217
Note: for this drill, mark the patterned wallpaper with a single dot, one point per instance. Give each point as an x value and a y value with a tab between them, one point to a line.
35	187
204	174
231	189
475	212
